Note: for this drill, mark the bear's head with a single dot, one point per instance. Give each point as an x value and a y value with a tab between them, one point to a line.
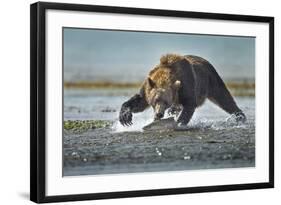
161	98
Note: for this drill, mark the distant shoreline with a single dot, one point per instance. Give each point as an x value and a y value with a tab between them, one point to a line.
100	85
237	88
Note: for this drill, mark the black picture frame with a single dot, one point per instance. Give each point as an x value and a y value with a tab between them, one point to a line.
38	101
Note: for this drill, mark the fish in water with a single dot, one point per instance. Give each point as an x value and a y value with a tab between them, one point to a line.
164	125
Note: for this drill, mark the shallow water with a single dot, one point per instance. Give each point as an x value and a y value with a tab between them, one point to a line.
213	140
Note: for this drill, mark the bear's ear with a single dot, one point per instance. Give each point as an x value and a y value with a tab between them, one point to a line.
177	84
151	83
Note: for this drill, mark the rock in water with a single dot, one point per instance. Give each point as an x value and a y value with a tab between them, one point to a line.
163	125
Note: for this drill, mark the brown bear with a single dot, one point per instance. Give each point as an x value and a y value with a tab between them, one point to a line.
180	84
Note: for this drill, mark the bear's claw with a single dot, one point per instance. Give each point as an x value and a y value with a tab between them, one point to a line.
125	117
240	117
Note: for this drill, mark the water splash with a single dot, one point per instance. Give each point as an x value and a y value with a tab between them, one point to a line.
217	124
197	122
139	121
206	117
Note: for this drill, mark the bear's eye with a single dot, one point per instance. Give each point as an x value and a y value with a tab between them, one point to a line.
157	100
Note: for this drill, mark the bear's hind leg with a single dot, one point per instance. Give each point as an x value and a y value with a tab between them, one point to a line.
222	97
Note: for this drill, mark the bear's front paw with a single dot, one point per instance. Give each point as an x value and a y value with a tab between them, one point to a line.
125	117
180	124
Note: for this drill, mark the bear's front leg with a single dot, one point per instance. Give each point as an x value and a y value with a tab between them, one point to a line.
185	115
135	104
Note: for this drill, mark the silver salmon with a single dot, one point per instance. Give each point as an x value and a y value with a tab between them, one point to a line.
162	125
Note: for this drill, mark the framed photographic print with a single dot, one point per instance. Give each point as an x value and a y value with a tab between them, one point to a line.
129	102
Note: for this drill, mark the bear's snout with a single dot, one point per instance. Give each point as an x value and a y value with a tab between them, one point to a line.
159	110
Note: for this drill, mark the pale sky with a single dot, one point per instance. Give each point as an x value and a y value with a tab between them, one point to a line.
125	56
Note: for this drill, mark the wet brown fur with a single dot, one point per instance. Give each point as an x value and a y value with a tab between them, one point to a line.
164	78
184	81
